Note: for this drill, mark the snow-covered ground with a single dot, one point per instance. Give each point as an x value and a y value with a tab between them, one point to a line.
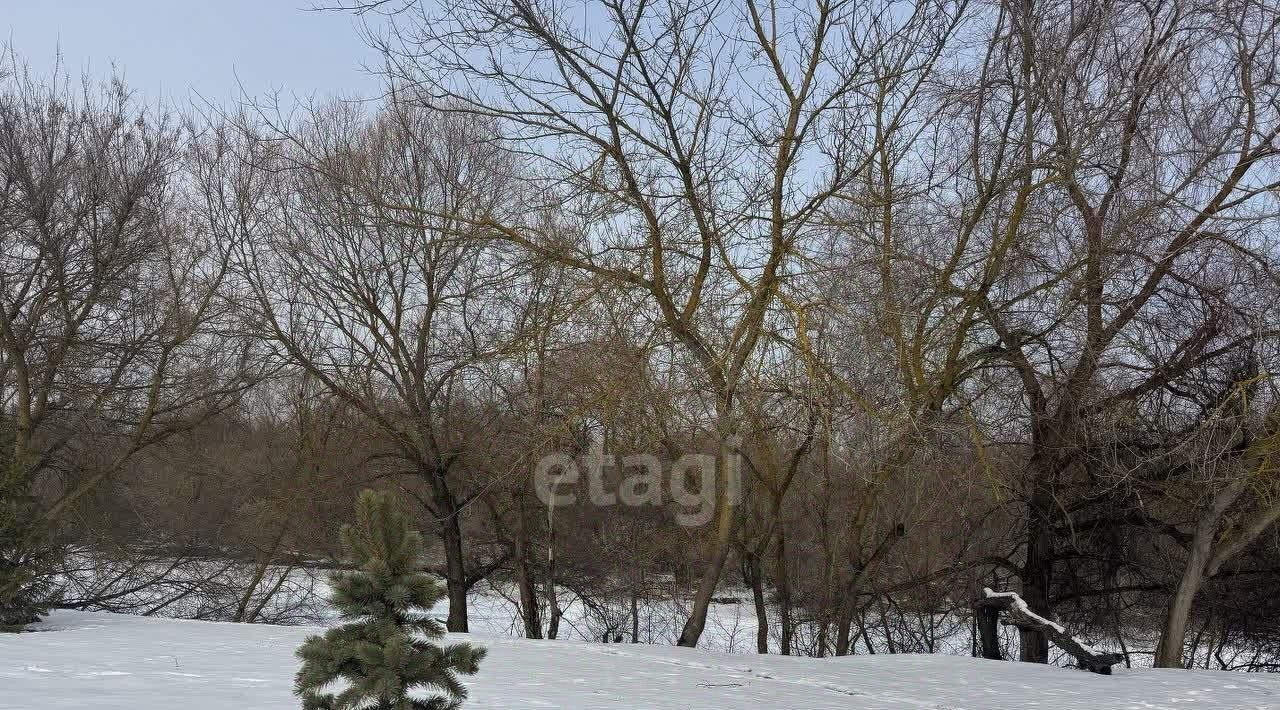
96	660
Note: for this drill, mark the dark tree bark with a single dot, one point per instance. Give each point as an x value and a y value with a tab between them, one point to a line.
782	584
753	575
529	607
455	576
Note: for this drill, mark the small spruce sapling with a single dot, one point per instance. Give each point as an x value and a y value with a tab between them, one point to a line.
384	651
29	557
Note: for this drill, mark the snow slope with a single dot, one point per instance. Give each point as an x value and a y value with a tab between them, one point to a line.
95	660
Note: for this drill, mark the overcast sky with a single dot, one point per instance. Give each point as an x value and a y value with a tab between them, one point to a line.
171	48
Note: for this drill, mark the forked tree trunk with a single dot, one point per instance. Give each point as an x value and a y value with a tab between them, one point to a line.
1208	553
265	558
1169	650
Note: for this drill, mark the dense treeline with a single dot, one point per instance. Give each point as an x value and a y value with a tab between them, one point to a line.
949	294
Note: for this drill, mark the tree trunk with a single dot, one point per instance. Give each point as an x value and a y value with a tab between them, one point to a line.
635	613
753	575
553	600
455	566
986	618
884	624
524	574
726	517
844	620
1036	576
783	586
259	572
1206	557
845	611
1169	650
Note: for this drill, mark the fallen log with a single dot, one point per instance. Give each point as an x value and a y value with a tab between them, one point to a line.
1018	614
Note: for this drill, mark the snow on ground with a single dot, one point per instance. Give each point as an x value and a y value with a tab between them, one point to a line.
96	660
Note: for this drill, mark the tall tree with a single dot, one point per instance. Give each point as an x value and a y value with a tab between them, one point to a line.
114	331
1136	252
679	151
393	313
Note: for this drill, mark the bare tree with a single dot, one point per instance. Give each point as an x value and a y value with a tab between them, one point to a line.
1154	178
114	329
392	313
690	147
1236	465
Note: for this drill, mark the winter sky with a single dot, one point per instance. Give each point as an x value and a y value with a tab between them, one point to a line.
180	49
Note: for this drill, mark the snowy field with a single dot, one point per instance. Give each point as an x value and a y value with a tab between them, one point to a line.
95	660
